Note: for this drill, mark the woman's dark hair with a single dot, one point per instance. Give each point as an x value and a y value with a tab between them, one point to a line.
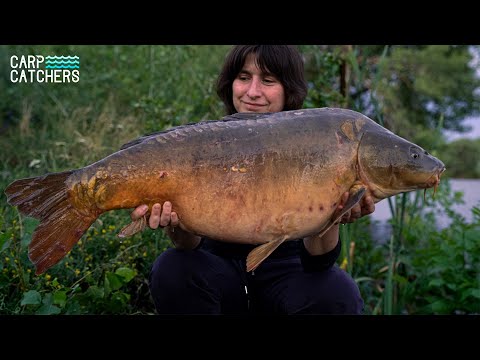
282	61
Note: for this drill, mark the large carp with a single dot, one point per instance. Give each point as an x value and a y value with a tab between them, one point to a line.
248	178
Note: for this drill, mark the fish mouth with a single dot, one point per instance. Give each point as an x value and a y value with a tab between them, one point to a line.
434	180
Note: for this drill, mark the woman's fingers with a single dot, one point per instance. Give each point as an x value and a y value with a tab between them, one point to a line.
174	219
166	214
159	216
368	205
154	219
139	212
356	212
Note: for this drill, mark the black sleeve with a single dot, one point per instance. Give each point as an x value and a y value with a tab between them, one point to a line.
312	263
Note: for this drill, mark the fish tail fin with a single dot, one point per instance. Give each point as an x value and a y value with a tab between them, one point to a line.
61	225
56	235
261	252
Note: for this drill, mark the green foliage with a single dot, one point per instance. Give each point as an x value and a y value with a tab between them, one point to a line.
424	270
421	85
101	275
182	85
364	260
321	69
461	158
168	85
446	272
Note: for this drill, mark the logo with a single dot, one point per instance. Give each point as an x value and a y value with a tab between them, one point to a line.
49	69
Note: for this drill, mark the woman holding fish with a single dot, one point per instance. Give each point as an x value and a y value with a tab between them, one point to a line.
204	276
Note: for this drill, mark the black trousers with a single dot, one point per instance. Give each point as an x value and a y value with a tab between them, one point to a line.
206	281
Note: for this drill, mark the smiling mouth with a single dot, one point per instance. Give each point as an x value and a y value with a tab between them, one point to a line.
255	105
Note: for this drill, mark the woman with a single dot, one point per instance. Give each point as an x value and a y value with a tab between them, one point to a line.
204	276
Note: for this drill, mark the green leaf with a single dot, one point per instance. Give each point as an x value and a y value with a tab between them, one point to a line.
452	286
73	308
95	292
106	287
436	283
364	278
440	307
400	279
3	238
471	293
29	225
120	297
26	277
48	308
475	293
60	298
127	273
31	297
476	210
115	281
6	238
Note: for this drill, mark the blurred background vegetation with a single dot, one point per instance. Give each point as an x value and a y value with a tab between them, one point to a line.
126	91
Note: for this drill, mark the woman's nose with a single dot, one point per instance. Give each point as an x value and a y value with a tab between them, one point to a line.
254	90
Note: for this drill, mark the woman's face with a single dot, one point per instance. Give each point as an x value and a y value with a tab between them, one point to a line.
255	91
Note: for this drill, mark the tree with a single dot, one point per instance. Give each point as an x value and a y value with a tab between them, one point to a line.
406	87
461	158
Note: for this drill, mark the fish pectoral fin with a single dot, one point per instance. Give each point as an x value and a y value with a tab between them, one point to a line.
133	228
261	252
353	199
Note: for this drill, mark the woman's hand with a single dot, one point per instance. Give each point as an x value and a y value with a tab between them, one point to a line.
326	243
366	206
164	217
159	216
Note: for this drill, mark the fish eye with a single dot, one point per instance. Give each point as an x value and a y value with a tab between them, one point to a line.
414	155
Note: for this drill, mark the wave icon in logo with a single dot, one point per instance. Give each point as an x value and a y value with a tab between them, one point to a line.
62	62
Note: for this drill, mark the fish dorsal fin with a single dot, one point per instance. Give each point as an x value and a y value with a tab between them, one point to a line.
140	139
233	117
246	116
261	252
353	199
